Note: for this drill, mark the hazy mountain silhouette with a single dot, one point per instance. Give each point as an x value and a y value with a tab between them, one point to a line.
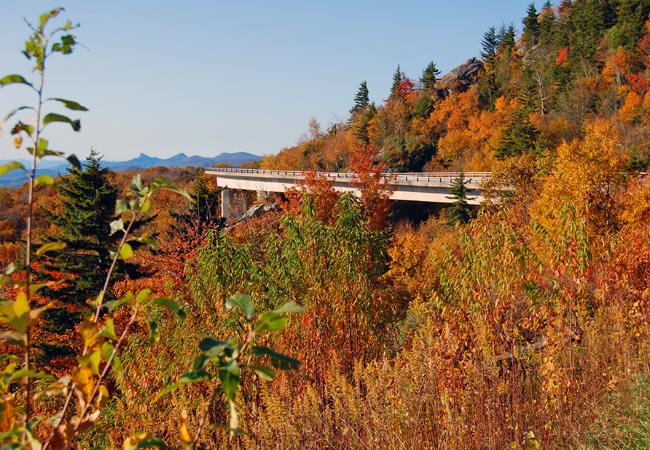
55	167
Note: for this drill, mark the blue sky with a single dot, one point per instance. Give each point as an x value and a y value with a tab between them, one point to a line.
205	77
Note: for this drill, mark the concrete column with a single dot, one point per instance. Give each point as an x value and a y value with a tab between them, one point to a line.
225	203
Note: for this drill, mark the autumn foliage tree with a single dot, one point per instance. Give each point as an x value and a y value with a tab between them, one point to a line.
374	187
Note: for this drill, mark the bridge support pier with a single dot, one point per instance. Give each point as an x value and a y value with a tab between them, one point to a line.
225	203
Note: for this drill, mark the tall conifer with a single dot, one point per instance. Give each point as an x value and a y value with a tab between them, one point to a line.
531	30
362	99
430	78
397	80
460	211
87	207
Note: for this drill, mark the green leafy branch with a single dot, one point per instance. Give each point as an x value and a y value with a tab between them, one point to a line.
230	357
38	48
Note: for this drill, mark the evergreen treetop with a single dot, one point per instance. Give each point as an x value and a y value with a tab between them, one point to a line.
430	77
489	44
397	80
82	223
531	32
460	212
362	99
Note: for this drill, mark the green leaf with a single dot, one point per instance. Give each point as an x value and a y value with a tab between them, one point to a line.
47	16
200	362
19	126
151	442
58	387
18	374
142	295
214	349
126	251
154	332
108	330
91	360
271	321
14	79
148	241
12	165
244	302
21	313
14	337
74	106
118	369
290	307
278	360
209	343
43	152
160	183
53	117
107	350
180	191
265	373
44	179
121	206
193	377
172	305
7	310
136	184
229	374
66	45
51	247
74	161
144	207
35	287
10	269
34	313
117	225
114	304
189	377
143	440
41	147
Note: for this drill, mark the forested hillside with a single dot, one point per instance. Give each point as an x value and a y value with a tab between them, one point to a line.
329	323
530	91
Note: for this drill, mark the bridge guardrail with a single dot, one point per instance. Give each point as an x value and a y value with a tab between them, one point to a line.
410	176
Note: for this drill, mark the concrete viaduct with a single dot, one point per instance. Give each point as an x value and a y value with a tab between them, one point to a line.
431	187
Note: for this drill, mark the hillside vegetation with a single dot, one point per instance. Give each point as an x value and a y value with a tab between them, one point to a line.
527	327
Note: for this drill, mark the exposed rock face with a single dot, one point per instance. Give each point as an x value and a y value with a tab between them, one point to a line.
256	210
461	77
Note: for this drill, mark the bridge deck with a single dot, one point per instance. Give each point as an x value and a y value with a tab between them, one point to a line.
430	187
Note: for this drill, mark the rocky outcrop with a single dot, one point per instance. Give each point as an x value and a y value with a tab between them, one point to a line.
461	77
254	211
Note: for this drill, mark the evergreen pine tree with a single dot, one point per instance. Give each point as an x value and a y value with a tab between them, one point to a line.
362	99
506	38
587	22
488	91
531	30
429	78
631	15
87	207
397	80
489	45
547	24
520	136
460	211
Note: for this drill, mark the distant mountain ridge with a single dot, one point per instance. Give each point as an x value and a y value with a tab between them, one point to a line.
54	167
